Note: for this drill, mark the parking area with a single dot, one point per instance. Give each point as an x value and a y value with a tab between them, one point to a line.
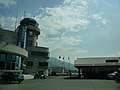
59	83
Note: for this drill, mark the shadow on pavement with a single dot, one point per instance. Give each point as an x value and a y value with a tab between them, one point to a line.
7	83
71	77
75	77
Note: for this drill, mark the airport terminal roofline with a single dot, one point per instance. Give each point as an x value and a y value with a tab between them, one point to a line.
99	57
94	65
13	49
97	61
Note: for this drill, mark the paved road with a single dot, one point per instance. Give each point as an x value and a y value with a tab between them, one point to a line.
62	84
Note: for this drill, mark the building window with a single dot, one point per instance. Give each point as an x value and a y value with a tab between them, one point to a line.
0	37
2	57
112	61
30	33
15	40
13	58
43	63
30	42
42	54
30	63
8	57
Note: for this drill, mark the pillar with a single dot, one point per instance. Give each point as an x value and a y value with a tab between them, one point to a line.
79	76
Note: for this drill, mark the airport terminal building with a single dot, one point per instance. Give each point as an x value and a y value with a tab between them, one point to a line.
96	67
19	49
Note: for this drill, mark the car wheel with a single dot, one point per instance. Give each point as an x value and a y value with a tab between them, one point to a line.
20	81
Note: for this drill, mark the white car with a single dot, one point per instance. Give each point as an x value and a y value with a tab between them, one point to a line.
112	75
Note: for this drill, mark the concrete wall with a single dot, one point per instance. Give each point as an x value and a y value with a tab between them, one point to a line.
36	60
36	67
9	36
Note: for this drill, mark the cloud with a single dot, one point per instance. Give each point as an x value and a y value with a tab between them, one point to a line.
100	18
7	22
7	3
61	26
71	16
60	22
68	16
115	54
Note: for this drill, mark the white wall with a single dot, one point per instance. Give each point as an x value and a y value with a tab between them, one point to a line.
96	60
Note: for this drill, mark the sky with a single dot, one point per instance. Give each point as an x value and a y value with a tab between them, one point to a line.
70	28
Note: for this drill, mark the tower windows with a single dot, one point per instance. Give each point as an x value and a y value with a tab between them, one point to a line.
30	33
15	40
0	37
43	63
30	43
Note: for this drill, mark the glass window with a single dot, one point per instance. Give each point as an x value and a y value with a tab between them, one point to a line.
35	53
0	37
30	42
30	63
13	58
8	57
15	40
112	61
36	24
2	57
30	33
43	63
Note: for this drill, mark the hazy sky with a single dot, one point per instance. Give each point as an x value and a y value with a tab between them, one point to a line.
70	28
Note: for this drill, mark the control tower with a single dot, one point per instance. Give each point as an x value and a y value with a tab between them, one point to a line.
28	32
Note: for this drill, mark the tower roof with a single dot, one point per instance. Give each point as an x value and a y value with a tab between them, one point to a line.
28	20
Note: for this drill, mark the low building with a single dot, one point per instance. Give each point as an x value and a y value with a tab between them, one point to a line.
37	60
96	67
57	70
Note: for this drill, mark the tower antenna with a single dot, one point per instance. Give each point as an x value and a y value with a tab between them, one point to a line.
24	14
16	18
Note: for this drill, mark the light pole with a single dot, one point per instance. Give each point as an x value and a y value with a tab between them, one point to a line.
69	66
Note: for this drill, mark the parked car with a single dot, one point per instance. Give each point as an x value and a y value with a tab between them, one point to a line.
112	75
12	76
117	77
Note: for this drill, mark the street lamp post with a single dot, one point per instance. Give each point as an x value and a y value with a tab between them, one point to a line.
69	67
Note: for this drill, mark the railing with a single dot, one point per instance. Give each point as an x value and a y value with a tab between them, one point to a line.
33	28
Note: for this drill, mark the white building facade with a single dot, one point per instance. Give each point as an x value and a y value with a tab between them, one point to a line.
97	67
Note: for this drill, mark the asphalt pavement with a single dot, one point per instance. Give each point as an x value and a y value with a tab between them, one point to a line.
59	83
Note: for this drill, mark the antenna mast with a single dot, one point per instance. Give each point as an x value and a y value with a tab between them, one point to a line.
24	14
16	17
